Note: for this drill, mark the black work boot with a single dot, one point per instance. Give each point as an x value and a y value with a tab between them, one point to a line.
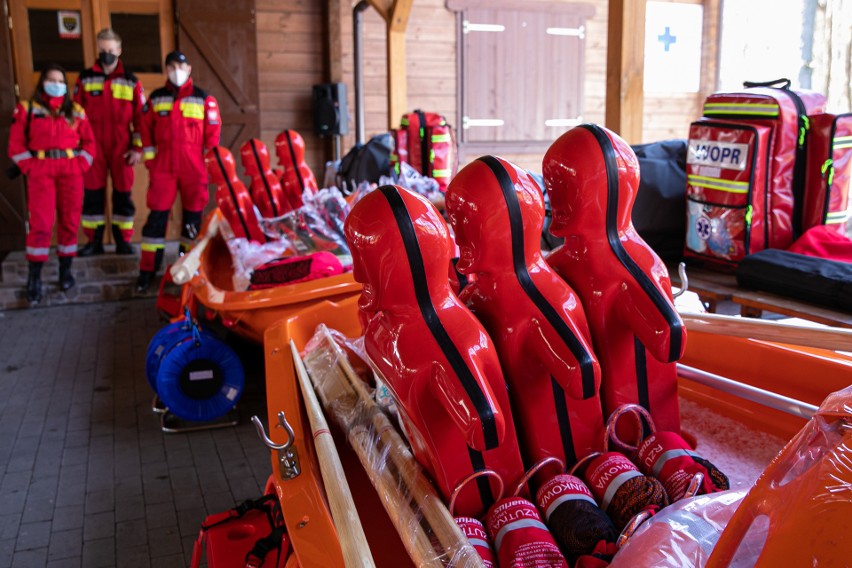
66	279
95	246
34	283
121	245
144	280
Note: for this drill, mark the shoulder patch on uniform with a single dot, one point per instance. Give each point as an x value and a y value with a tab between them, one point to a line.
161	92
77	108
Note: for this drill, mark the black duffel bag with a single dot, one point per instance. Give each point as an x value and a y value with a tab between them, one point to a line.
808	278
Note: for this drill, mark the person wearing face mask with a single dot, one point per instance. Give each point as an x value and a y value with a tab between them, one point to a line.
180	122
113	99
52	143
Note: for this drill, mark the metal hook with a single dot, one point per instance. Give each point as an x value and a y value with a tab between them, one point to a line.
282	423
684	281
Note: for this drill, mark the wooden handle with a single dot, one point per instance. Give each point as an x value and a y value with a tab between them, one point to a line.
824	338
452	540
353	541
392	491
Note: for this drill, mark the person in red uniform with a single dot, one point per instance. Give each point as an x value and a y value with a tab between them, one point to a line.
113	99
52	143
179	123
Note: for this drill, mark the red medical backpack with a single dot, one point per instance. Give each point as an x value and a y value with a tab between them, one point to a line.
779	117
829	172
426	141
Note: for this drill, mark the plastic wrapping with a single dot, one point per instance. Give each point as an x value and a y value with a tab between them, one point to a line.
682	535
247	255
411	179
316	226
427	530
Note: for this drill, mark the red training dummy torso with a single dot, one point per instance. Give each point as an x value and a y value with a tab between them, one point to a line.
533	316
434	355
232	197
296	176
592	176
266	190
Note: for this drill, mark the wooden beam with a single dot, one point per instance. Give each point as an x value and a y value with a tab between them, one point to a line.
335	22
383	7
397	21
399	15
625	68
397	80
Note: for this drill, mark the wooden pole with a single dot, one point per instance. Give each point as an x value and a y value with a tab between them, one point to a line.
447	531
392	491
353	541
824	338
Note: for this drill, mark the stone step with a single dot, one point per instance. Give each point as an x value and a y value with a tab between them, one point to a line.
104	278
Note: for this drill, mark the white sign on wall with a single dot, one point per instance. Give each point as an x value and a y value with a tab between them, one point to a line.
673	47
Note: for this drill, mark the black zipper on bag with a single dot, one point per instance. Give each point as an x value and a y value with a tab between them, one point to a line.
800	161
424	150
750	194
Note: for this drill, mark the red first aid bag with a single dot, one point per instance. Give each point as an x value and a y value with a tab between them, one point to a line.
829	172
727	166
251	535
426	141
785	111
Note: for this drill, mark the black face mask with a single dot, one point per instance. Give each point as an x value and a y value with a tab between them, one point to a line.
107	59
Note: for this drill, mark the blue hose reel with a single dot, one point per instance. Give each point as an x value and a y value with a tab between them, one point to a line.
196	376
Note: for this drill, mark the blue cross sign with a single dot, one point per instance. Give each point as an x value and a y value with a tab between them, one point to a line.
667	38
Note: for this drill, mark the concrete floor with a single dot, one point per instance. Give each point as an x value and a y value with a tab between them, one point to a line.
87	478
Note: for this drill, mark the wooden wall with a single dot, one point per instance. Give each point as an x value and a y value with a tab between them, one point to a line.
290	53
292	56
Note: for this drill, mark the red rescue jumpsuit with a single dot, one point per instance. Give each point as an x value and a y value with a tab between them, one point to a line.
53	153
178	124
113	104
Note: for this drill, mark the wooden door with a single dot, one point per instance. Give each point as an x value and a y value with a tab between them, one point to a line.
13	206
219	38
38	36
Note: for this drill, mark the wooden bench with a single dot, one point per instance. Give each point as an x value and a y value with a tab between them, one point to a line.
713	288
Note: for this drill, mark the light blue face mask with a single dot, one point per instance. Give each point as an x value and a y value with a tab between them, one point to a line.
55	89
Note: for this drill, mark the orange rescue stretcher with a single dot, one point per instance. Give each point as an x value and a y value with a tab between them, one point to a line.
769	387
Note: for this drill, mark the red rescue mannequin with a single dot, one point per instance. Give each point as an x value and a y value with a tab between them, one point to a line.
433	354
296	176
534	317
592	176
232	197
266	190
